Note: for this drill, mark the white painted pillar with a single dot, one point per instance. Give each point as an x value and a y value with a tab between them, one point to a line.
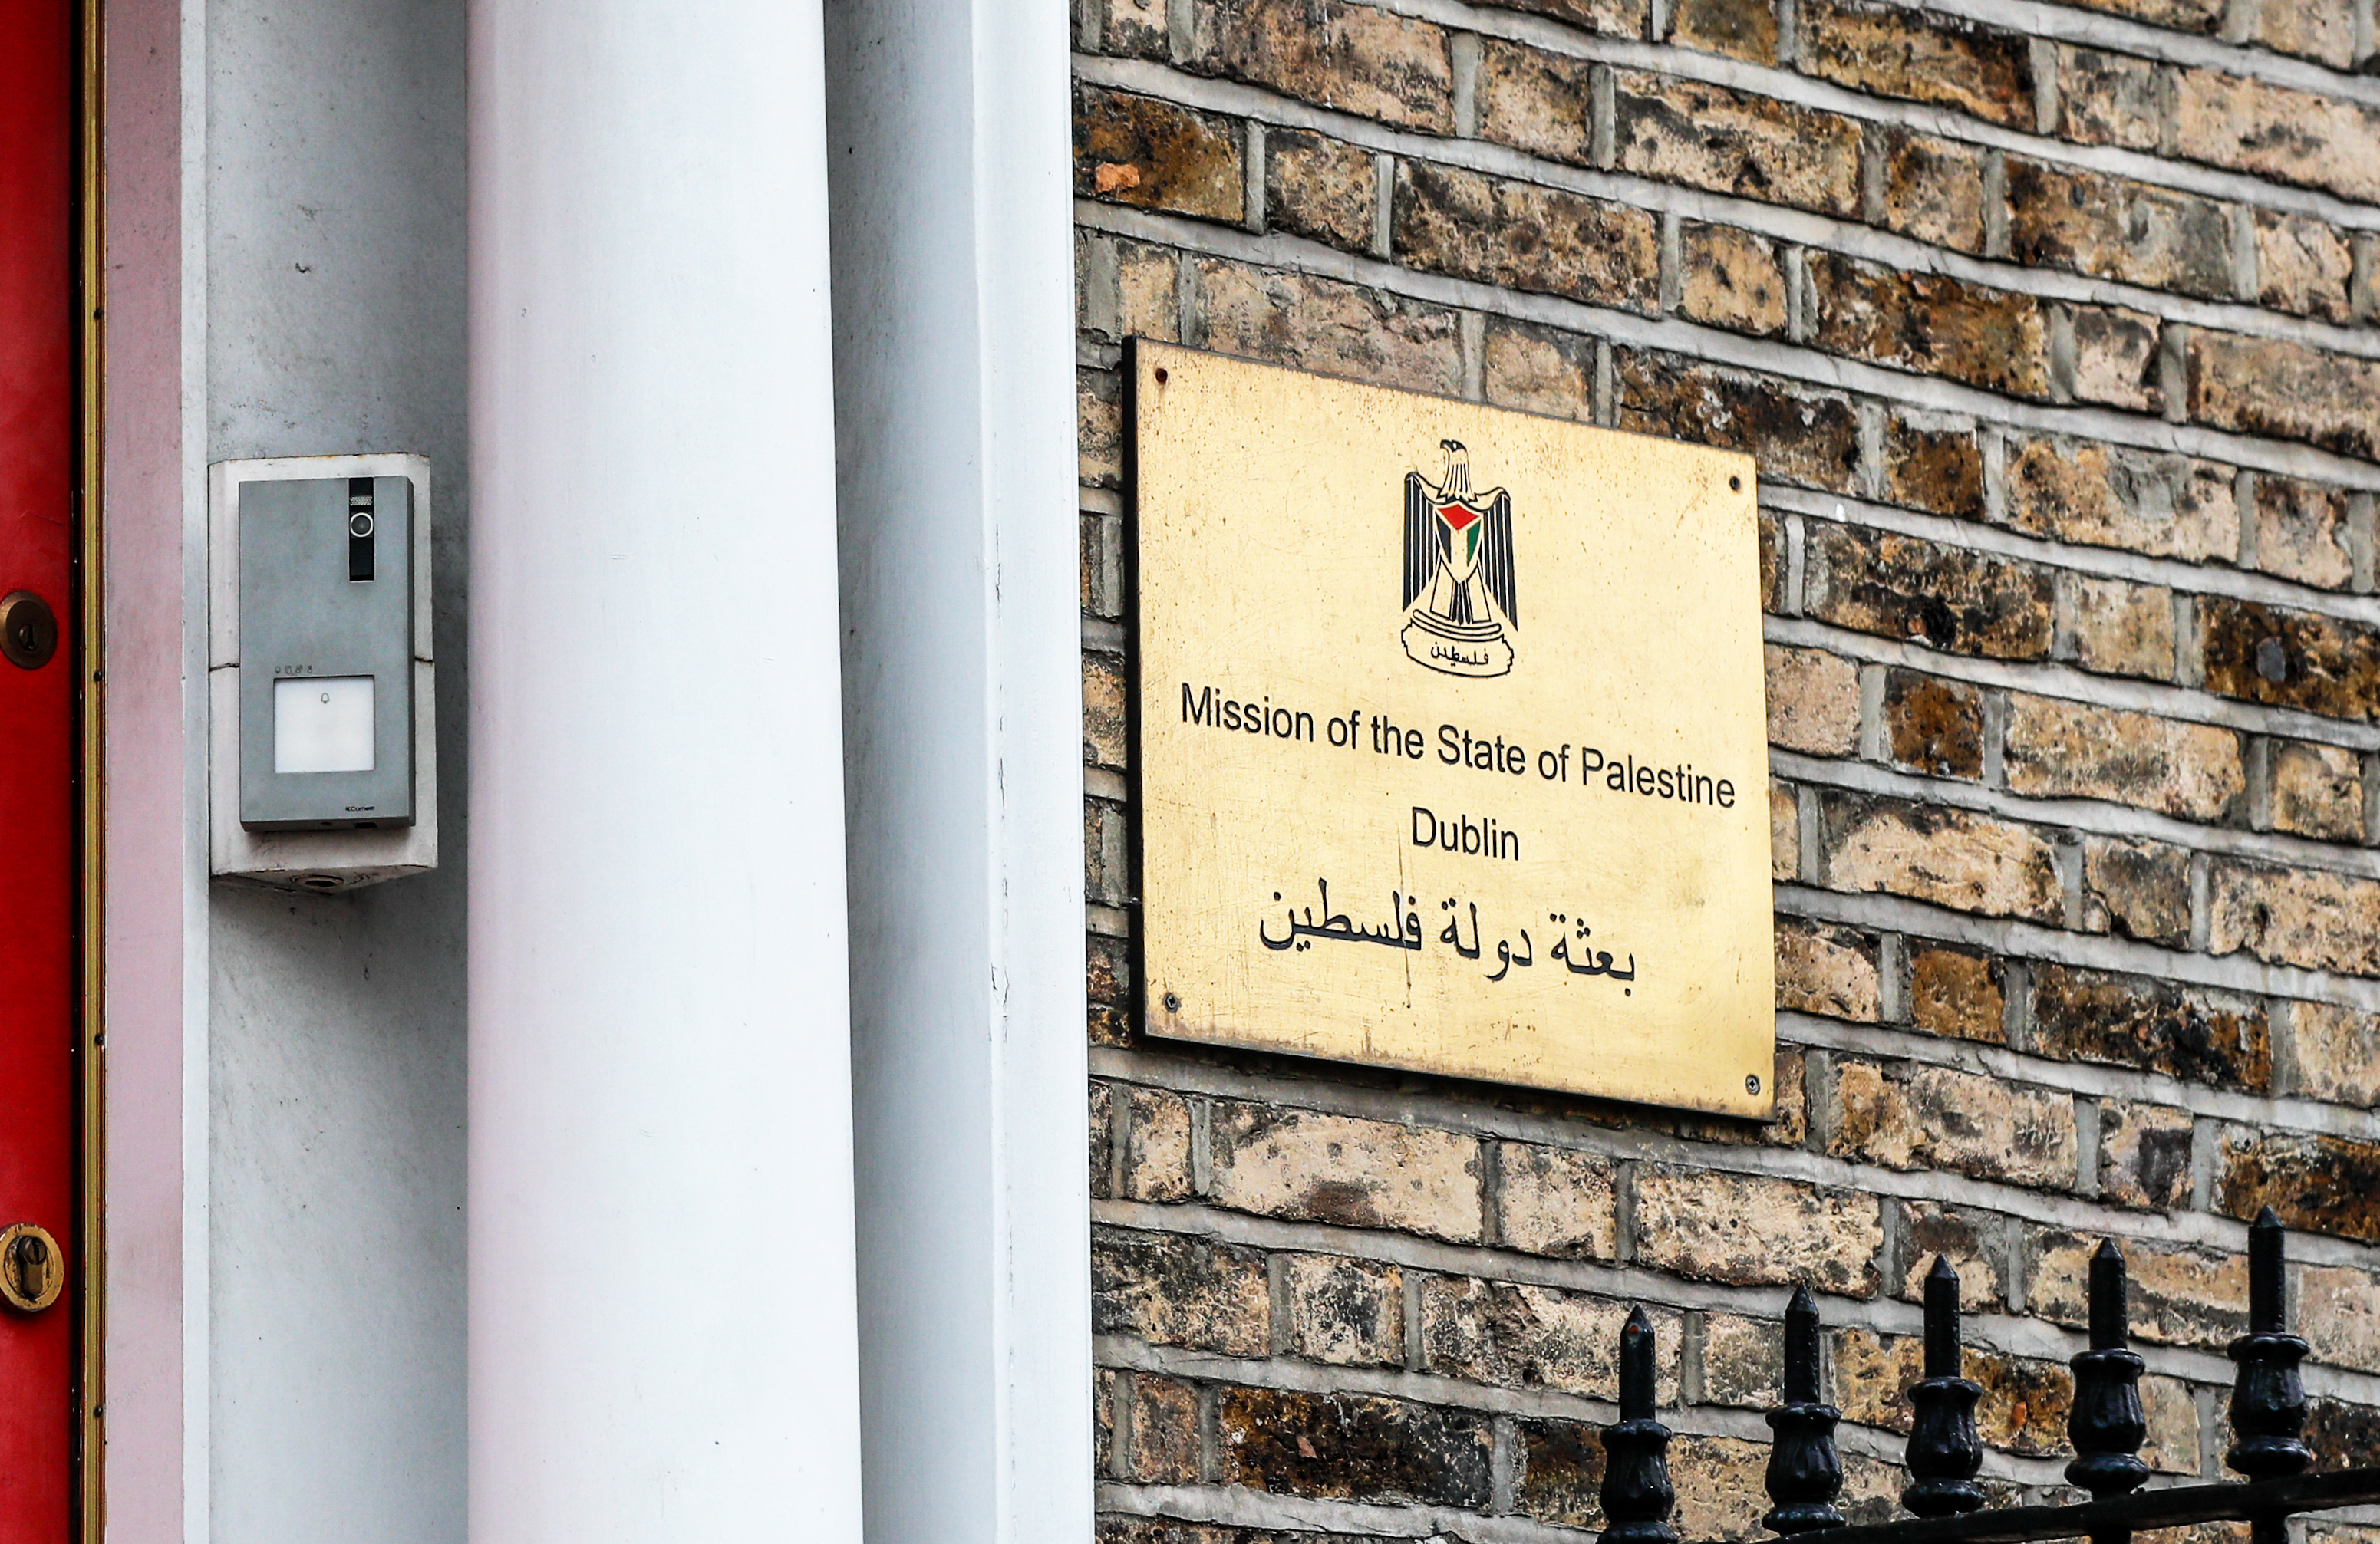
954	284
662	1300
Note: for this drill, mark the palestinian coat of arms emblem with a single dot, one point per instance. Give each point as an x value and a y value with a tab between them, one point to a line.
1458	571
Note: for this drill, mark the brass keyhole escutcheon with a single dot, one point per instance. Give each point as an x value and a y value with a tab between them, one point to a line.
29	630
32	1271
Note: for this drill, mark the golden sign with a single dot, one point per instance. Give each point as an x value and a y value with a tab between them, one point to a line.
1452	746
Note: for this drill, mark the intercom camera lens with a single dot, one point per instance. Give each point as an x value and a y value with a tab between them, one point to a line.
359	524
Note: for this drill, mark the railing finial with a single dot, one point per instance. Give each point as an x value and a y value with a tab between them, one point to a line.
1944	1450
2268	1399
2106	1424
1805	1473
1637	1495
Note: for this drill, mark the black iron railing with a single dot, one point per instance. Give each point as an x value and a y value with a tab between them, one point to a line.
2105	1424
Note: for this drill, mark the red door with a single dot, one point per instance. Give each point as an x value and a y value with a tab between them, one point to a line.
38	1078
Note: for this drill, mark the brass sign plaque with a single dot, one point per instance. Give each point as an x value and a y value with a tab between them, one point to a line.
1452	749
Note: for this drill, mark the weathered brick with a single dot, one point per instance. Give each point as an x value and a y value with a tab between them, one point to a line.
2112	98
2186	15
1933	725
1932	463
1707	136
1347	1312
1133	29
2302	266
1100	1125
2026	1402
1730	279
2178	1295
2059	749
1165	1432
1951	598
2192	1034
1740	28
1103	710
1156	1150
1333	329
1536	102
2121	628
1933	189
1152	154
1371	63
1970	862
1718	1482
2116	357
1515	1335
1619	19
1799	435
2172	1411
1784	834
2278	132
1538	369
1957	993
2301	531
1906	1116
2317	790
1974	1242
1560	1472
2342	1436
2286	389
2023	1406
2322	31
1326	1168
1741	1361
1148	291
1921	56
1931	324
2143	1155
1341	1446
2286	658
1179	1291
1826	969
2334	1053
2165	506
2338	1313
2309	917
1814	700
1108	972
1554	1202
1525	237
1771	537
1318	188
1099	428
2115	228
1103	1419
2136	889
1751	1230
2320	1184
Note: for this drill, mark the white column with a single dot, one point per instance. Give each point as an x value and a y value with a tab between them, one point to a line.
661	1302
953	282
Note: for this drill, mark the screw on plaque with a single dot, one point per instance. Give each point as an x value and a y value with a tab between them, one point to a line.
1173	1002
28	630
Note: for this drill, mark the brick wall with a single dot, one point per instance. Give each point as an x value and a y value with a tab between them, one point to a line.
2056	350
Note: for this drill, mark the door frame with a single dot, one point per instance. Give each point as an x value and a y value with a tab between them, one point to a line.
86	611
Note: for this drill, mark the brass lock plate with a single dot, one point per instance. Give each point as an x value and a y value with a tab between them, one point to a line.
28	630
33	1268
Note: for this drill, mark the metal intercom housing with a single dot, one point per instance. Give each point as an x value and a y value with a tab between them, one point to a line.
321	675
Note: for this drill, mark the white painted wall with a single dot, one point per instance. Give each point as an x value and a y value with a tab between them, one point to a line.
662	1312
954	390
327	277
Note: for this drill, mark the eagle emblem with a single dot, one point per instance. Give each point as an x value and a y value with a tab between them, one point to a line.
1458	589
